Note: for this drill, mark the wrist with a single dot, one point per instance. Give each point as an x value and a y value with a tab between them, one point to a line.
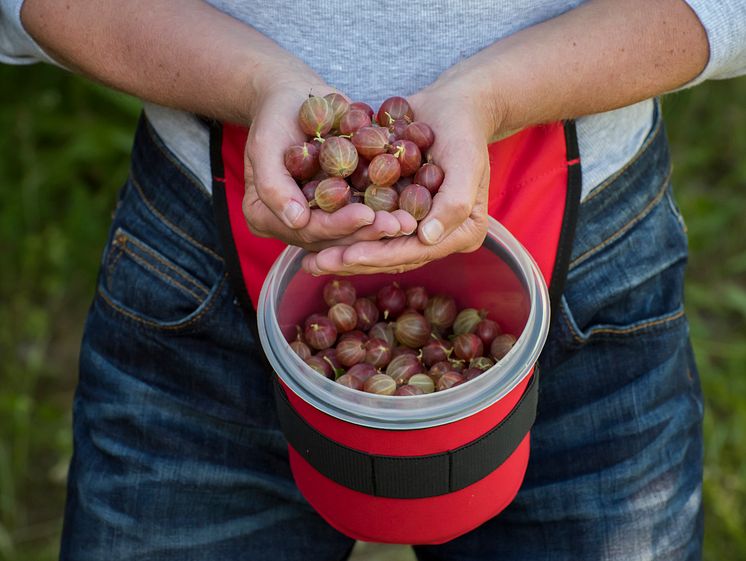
467	87
277	76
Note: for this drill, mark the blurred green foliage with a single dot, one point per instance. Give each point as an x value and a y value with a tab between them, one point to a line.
63	155
707	127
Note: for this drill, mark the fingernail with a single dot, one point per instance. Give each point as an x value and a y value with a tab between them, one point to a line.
370	218
292	212
432	231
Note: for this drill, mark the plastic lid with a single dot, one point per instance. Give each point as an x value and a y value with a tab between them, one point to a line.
501	276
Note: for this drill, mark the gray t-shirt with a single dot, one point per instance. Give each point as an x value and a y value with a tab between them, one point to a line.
371	65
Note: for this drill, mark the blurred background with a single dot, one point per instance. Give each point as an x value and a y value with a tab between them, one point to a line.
64	146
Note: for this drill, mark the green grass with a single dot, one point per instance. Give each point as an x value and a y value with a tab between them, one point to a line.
63	155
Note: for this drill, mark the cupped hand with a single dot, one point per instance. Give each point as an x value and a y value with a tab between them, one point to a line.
457	221
273	204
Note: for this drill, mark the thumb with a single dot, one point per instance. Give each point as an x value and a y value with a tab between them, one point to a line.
274	185
453	202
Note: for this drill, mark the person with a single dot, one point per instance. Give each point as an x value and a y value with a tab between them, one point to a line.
177	451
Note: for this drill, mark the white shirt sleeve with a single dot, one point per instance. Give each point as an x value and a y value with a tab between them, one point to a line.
725	24
17	46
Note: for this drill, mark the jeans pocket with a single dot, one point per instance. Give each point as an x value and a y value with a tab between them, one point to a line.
153	275
632	286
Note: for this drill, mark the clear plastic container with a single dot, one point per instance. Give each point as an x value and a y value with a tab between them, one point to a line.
500	277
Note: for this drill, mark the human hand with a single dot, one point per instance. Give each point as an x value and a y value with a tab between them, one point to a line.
273	205
457	221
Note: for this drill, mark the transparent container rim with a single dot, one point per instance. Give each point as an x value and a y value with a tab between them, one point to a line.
410	412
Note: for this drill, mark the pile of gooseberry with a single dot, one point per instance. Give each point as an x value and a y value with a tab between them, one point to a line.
353	155
398	341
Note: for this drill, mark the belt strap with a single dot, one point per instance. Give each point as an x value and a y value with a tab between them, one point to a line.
409	477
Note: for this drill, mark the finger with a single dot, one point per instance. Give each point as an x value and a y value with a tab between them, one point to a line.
258	217
326	229
390	255
274	184
453	203
321	226
387	253
343	222
343	227
331	261
384	226
401	252
407	222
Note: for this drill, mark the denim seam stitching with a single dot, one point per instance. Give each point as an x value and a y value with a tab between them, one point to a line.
569	325
154	324
170	224
174	160
609	180
676	212
182	274
110	268
166	278
651	323
623	229
673	316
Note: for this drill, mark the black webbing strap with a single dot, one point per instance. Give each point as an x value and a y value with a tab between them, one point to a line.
409	477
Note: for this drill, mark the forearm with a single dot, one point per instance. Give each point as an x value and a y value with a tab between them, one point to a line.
600	56
183	54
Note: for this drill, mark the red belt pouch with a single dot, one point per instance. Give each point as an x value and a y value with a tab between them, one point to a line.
469	470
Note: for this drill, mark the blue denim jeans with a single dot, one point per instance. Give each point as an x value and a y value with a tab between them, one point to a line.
178	454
